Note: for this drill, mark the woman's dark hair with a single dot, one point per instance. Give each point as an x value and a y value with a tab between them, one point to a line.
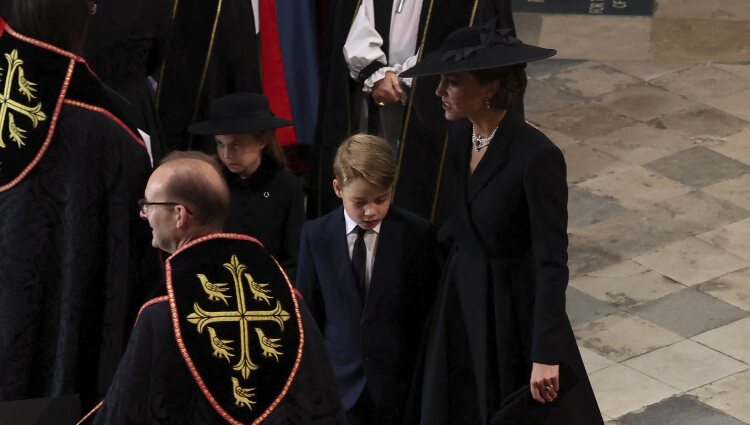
512	84
62	23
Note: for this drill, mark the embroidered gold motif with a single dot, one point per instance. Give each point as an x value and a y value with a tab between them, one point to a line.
243	317
242	396
9	105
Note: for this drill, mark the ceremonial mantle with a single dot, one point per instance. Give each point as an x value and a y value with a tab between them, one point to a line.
237	324
72	263
35	79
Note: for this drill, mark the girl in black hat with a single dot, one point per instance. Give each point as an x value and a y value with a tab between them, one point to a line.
267	201
501	349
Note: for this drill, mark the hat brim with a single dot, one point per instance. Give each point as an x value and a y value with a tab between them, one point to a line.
493	57
238	125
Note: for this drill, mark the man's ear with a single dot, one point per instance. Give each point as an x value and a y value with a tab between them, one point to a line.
183	216
337	189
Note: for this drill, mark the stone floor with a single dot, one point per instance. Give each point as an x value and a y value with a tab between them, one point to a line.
653	115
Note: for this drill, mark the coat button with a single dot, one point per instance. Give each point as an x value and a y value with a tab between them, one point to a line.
266	195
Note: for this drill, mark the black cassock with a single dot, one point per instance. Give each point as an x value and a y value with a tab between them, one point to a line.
423	140
172	373
126	43
213	51
72	248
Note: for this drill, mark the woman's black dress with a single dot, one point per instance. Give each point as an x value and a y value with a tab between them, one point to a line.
501	305
269	206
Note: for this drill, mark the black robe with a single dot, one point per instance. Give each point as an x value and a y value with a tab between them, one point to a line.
173	372
213	51
126	43
153	365
74	255
423	135
501	305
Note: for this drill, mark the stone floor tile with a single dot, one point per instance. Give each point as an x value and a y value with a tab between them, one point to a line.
702	122
698	167
734	104
528	27
633	233
735	146
593	361
669	365
733	288
620	389
597	37
541	97
585	208
622	336
583	308
634	187
689	312
736	191
685	40
585	256
734	238
584	162
729	395
731	339
625	284
696	212
702	83
640	143
591	79
550	66
645	101
691	261
646	71
740	70
679	410
584	120
734	10
613	422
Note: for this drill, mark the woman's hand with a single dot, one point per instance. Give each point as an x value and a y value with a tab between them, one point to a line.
545	382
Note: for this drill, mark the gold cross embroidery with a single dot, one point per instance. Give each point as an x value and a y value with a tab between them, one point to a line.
243	316
7	104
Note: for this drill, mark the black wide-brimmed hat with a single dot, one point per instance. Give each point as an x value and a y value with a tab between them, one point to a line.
473	48
238	113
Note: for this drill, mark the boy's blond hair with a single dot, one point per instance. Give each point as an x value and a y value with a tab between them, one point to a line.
366	157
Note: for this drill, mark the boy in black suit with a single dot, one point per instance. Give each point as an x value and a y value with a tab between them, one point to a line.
368	273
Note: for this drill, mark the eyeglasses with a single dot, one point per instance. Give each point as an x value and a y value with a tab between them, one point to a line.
143	205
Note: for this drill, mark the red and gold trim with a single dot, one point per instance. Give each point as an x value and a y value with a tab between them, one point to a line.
186	355
50	131
109	115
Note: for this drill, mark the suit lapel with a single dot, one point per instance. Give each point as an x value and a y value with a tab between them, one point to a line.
338	253
390	244
495	157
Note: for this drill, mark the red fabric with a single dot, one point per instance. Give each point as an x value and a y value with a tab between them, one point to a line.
272	70
2	25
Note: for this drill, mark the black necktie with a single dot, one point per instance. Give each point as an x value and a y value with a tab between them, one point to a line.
359	263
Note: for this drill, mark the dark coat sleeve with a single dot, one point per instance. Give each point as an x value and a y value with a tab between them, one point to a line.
292	228
547	197
307	278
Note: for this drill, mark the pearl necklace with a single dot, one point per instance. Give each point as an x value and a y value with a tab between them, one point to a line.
481	142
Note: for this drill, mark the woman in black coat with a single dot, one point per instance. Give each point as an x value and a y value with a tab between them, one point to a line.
267	201
500	348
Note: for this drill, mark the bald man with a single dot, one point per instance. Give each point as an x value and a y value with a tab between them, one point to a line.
214	350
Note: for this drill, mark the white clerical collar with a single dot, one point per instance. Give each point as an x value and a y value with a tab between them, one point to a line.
351	224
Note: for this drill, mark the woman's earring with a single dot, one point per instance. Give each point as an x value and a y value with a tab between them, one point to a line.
487	103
